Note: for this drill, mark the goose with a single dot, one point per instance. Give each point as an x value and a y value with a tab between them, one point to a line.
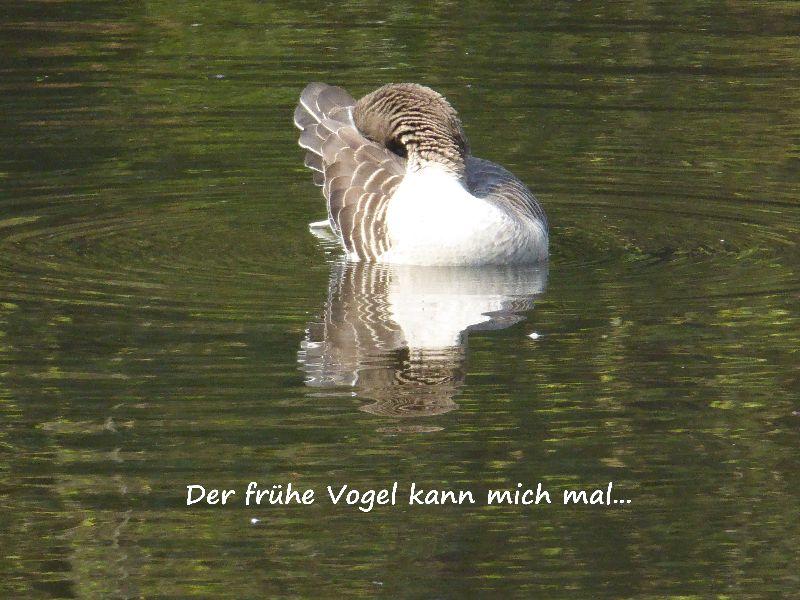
402	186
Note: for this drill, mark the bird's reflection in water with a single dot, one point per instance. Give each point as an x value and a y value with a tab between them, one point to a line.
397	335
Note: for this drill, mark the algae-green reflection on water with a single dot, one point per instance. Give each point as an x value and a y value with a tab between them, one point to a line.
167	319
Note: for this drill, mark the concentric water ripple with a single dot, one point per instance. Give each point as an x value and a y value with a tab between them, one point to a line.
164	254
167	318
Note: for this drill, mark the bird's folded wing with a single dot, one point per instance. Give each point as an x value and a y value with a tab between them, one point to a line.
492	182
357	175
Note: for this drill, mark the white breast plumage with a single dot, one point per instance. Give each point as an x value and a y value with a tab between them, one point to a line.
433	219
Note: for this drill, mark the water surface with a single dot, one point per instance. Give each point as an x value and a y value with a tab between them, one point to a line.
166	318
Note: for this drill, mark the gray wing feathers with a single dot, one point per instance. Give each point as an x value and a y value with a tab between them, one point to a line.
358	176
492	182
318	102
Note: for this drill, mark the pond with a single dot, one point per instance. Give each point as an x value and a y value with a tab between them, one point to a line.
167	319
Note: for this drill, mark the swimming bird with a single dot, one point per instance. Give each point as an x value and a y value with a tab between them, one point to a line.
402	186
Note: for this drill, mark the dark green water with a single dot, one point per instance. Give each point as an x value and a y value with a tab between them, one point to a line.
167	319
